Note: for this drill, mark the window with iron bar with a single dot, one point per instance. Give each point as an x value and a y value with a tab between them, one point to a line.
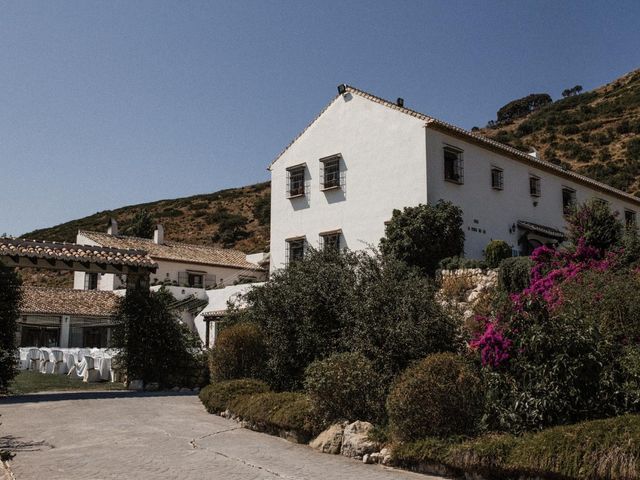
453	165
330	241
497	178
568	200
295	250
330	172
630	219
295	181
534	186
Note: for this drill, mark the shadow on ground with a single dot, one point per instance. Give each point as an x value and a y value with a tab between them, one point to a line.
18	444
90	395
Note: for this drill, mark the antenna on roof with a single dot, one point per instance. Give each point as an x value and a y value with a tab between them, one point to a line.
400	102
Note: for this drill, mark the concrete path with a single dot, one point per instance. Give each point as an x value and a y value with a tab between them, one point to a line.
122	435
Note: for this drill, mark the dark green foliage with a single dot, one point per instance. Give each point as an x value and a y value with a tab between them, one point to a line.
515	274
567	363
332	302
301	312
153	346
231	227
523	106
142	225
10	295
217	396
595	224
395	319
239	353
630	255
633	149
277	412
569	92
458	263
262	210
199	205
440	396
170	212
596	450
422	236
495	252
344	386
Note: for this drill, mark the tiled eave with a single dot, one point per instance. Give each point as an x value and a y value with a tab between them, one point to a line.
32	253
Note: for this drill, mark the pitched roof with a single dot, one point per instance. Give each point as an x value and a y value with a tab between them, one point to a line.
176	251
477	139
73	252
62	301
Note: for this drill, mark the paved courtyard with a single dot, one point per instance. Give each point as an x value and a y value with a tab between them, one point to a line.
118	435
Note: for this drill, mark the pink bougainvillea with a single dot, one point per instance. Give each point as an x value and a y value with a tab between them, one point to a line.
494	347
551	269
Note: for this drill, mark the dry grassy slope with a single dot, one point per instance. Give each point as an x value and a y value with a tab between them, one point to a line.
186	219
596	133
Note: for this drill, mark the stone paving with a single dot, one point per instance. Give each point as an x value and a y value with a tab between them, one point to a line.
123	435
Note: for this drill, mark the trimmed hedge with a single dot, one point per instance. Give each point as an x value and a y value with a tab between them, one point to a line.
439	396
345	386
272	412
495	252
239	353
217	396
606	449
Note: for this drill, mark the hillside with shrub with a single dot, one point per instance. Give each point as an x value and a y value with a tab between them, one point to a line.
595	133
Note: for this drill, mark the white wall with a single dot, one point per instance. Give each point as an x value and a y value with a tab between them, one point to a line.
494	211
384	157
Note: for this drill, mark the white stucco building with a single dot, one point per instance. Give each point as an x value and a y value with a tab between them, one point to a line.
362	156
179	264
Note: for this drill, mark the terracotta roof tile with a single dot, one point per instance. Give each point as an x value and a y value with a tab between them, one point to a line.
73	252
176	251
61	301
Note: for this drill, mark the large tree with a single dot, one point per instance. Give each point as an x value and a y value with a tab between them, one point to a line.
422	236
142	225
10	296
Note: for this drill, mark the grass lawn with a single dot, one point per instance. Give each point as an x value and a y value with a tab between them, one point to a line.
33	382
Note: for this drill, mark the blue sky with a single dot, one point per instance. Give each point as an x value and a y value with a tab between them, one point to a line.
105	104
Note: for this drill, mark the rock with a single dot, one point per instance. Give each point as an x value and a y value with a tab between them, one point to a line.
366	458
152	387
355	440
329	441
196	390
137	385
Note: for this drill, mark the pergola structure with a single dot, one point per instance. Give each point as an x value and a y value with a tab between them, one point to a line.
135	264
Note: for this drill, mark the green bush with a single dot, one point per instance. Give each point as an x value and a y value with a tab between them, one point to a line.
514	274
394	318
262	210
598	450
153	345
422	236
302	312
568	362
595	225
344	386
217	396
495	252
239	353
439	396
10	295
277	411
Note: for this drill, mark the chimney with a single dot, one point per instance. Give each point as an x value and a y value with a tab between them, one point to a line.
400	102
158	235
112	227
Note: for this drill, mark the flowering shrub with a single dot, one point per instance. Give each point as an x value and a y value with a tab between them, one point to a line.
494	347
554	353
